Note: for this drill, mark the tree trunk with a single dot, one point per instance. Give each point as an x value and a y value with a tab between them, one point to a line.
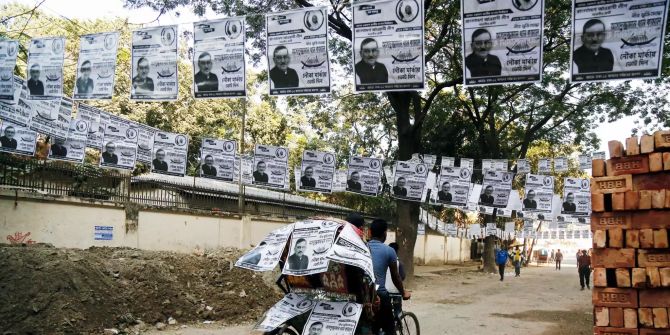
408	215
489	256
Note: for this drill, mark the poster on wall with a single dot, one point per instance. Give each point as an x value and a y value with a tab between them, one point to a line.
217	159
20	109
333	318
218	62
496	188
364	175
617	40
8	51
17	139
539	193
576	197
502	41
270	166
72	148
297	51
316	172
154	64
388	45
452	188
51	117
120	144
170	154
96	66
310	242
409	180
45	68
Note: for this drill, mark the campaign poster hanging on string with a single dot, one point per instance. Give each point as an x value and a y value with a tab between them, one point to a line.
364	175
8	51
52	117
96	132
270	167
522	166
218	61
576	197
617	40
502	41
495	164
72	148
19	110
496	188
453	186
316	172
145	142
585	162
409	180
154	64
17	139
120	144
45	68
96	66
297	52
539	194
388	45
170	154
217	159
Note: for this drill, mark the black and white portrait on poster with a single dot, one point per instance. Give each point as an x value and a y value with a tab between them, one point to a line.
496	188
333	318
502	41
17	139
576	197
409	180
452	188
8	51
218	59
72	148
364	175
270	167
317	171
310	242
617	40
20	109
169	153
52	117
217	159
45	68
265	256
96	132
154	64
96	66
297	51
119	144
388	45
145	143
539	194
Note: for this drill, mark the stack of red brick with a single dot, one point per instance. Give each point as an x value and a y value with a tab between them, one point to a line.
630	195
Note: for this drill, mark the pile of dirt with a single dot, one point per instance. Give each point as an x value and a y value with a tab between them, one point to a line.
45	290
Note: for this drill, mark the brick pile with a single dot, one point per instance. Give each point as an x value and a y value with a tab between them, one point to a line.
630	195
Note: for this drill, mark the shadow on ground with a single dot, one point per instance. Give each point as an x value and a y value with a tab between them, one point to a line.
574	322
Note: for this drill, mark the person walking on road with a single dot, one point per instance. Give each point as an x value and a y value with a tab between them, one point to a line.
501	259
551	257
517	256
584	268
559	259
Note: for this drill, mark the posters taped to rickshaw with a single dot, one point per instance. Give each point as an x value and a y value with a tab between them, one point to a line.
310	241
333	318
265	256
350	249
286	309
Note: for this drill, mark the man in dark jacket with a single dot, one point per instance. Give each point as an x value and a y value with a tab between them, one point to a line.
281	74
159	162
368	70
584	268
7	140
591	56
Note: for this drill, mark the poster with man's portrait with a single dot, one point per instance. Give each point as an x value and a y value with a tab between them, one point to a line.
145	142
119	150
8	90
270	168
52	117
496	189
409	180
333	318
96	66
170	154
286	309
96	131
310	241
297	51
388	50
45	68
452	188
619	40
154	64
19	109
265	256
539	194
72	148
502	41
217	159
364	175
576	197
17	139
317	171
218	58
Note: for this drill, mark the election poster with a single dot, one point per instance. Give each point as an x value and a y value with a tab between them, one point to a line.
154	64
297	51
617	39
495	164
120	144
45	68
502	41
270	167
364	175
429	160
576	197
145	142
97	130
286	309
96	66
8	51
91	115
169	153
244	168
453	186
217	159
496	189
447	161
340	181
51	117
388	45
265	256
317	171
561	164
467	163
17	139
409	180
310	242
522	166
599	155
218	61
350	249
333	318
72	148
19	109
544	165
539	193
585	162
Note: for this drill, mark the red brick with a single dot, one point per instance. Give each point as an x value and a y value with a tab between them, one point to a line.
615	297
628	165
612	184
654	298
613	258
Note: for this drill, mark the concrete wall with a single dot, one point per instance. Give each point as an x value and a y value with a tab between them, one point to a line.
432	249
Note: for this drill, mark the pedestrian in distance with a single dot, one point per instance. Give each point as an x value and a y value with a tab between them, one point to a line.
584	269
559	259
501	260
517	258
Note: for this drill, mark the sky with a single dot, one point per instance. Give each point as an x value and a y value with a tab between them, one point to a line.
88	9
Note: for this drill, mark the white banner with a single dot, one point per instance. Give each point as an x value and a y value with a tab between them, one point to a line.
495	164
340	181
617	40
333	318
496	188
364	175
317	171
522	166
388	45
17	139
19	109
273	160
170	154
97	130
467	163
297	52
120	144
310	241
350	249
585	162
409	180
96	66
576	197
544	165
145	142
265	256
217	159
52	117
8	51
447	161
539	193
154	64
73	149
502	41
45	68
561	164
218	62
286	309
453	186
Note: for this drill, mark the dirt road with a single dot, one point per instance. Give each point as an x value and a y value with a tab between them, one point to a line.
459	300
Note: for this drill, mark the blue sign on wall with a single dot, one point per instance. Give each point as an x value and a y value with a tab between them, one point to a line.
103	233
